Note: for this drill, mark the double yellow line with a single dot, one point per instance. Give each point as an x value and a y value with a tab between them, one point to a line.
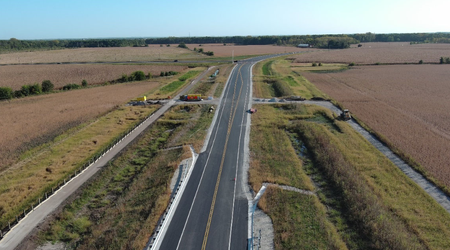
230	123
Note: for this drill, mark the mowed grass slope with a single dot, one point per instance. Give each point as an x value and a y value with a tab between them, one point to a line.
275	78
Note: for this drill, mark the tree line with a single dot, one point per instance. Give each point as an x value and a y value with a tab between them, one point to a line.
321	41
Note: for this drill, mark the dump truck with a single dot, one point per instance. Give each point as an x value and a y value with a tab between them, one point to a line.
191	97
345	115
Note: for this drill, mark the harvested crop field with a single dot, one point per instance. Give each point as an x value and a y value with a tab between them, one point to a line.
371	53
119	54
30	121
15	76
407	104
221	50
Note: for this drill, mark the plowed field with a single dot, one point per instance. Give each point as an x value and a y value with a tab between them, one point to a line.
240	50
371	53
122	54
34	120
408	104
15	76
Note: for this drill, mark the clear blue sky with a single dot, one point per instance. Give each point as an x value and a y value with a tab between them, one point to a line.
52	19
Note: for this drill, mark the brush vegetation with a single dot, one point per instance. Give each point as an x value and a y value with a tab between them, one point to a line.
121	206
368	200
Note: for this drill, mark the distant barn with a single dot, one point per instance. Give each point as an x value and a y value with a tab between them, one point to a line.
303	45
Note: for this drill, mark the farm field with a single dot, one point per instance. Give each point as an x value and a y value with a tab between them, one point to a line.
31	121
15	76
371	53
242	50
407	104
120	54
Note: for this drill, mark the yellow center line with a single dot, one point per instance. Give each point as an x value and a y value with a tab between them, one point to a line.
230	122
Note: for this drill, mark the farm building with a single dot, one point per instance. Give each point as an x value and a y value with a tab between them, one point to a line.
303	45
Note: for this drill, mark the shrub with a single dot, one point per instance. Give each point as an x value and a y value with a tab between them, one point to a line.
124	78
25	90
71	86
84	83
314	64
209	53
182	45
35	89
162	73
6	93
320	64
47	86
352	64
168	45
149	75
166	73
138	75
18	94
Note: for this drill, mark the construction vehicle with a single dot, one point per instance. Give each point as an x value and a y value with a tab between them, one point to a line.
191	97
345	115
141	99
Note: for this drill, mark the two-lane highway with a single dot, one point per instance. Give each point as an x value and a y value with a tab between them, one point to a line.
213	211
212	214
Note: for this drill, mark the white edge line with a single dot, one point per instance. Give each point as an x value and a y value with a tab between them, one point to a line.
237	168
201	178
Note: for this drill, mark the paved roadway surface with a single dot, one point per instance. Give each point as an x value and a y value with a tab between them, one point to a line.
17	234
212	213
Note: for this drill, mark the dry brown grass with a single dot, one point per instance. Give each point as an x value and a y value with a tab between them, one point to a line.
15	76
371	53
241	50
406	104
122	54
31	121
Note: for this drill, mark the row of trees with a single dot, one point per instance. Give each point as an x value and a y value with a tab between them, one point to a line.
14	44
26	90
47	86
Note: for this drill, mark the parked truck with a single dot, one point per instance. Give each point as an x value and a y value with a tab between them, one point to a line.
191	97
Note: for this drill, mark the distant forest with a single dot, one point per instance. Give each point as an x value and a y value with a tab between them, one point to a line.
319	41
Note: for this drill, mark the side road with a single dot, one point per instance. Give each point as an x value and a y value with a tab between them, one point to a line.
20	231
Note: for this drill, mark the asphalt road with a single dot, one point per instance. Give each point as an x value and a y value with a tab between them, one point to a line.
212	213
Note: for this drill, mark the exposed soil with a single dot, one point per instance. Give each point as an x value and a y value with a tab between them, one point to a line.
408	104
15	76
371	53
